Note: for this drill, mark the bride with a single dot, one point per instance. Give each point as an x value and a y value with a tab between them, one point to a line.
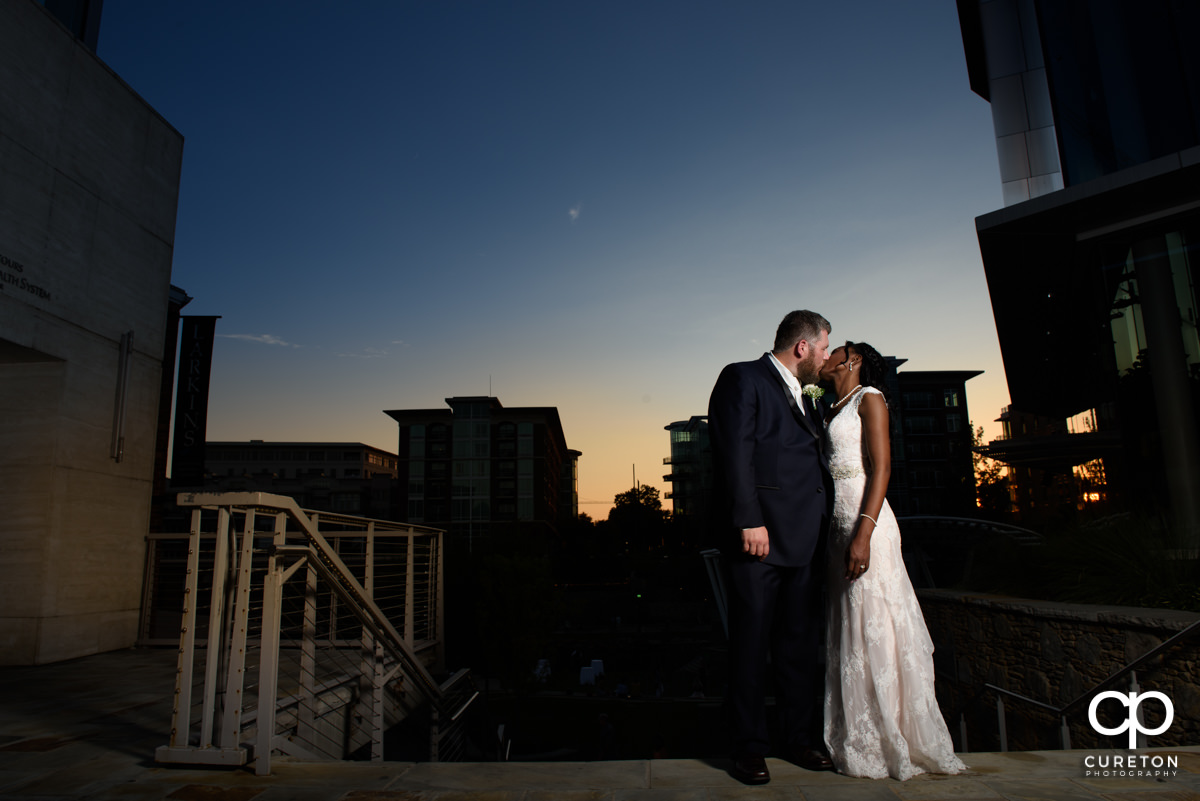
881	714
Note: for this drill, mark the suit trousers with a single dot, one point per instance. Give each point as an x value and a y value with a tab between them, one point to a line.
778	611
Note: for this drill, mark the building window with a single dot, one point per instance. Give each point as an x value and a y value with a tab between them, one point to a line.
953	423
919	424
951	396
918	400
347	502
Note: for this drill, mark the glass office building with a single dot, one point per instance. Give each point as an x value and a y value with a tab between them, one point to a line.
1096	109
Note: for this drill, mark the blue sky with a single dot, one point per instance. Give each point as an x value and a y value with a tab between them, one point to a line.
589	205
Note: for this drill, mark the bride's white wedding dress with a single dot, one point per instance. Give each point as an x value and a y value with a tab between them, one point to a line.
881	715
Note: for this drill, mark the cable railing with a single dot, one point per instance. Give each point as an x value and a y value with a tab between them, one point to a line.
301	633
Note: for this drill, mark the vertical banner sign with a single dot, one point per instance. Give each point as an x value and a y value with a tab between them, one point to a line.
191	401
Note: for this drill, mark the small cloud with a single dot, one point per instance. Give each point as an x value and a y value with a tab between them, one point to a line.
575	211
365	353
262	339
401	343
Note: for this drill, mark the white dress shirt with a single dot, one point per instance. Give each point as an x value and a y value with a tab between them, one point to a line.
792	382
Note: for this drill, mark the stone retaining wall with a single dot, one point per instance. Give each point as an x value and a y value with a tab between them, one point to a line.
1053	653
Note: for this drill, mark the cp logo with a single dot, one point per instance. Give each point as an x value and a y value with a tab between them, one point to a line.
1133	725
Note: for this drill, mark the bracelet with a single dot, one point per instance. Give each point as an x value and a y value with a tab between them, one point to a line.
873	520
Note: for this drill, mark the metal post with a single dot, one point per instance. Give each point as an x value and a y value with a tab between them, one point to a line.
306	719
1000	720
439	598
181	716
409	603
1066	734
434	734
216	623
231	717
1141	716
378	724
268	665
962	732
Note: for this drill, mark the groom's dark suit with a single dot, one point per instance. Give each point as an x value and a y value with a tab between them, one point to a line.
770	470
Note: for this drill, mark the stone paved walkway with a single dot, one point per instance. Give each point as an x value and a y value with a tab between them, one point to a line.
87	729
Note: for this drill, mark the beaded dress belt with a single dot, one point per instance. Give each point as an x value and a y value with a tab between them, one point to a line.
846	472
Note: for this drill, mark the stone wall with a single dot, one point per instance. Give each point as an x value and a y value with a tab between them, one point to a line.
1054	653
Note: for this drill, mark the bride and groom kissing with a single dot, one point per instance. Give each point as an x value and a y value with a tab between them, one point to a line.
809	538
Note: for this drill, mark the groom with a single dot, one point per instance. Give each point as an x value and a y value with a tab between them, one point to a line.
775	497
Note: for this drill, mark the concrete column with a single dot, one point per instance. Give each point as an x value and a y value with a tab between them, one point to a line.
1172	387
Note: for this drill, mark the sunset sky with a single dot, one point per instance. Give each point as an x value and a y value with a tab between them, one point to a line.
589	205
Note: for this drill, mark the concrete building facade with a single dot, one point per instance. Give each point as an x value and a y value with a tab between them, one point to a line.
89	182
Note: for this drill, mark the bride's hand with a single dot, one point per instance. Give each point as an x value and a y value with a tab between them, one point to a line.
858	555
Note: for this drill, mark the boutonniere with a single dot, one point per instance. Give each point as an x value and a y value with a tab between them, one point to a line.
813	391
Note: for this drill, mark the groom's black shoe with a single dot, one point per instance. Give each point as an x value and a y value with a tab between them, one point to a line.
750	769
810	759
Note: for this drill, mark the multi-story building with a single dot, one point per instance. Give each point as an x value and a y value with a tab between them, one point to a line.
932	435
1089	264
691	475
347	477
478	467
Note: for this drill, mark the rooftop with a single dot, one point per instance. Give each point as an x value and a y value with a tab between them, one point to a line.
87	729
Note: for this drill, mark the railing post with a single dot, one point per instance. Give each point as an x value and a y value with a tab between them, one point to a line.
371	664
409	582
306	720
1000	720
434	734
962	732
1141	716
1066	734
231	718
439	599
181	716
215	643
268	666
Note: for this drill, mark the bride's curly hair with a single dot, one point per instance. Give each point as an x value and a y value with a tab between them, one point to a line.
873	368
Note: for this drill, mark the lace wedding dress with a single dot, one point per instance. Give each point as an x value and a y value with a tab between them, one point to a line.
881	715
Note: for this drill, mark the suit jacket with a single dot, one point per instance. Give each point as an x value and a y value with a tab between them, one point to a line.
770	467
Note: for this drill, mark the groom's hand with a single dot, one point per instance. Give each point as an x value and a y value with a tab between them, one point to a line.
755	541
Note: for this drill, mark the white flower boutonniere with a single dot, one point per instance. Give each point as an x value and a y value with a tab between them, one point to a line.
813	391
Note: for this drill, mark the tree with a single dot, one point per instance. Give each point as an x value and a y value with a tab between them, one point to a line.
991	482
637	516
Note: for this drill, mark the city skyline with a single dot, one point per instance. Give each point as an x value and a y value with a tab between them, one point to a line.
592	207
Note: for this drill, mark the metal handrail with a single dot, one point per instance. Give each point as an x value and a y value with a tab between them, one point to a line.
1116	676
385	651
970	521
1141	660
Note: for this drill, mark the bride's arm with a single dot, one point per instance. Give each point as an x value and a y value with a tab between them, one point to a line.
874	414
